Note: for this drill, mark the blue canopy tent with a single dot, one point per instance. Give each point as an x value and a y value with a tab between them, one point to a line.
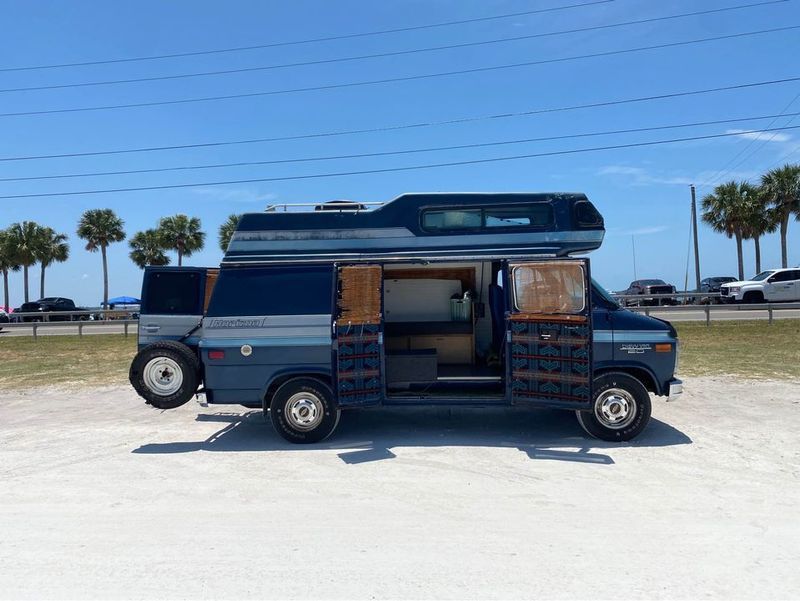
124	300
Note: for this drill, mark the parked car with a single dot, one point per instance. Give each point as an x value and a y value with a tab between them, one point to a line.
644	288
4	318
773	285
50	308
711	285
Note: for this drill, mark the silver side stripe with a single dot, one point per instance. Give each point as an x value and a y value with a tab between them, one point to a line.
283	240
268	326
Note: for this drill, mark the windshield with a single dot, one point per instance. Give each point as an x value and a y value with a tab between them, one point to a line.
725	279
603	294
762	276
653	282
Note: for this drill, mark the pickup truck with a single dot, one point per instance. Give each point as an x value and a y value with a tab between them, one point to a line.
644	288
50	309
773	285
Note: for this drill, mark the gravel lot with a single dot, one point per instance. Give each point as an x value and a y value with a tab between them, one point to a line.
103	497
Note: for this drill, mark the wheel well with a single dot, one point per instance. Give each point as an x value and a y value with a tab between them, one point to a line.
753	293
641	374
280	380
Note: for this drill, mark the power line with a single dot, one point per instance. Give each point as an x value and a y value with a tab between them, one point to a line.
532	112
394	152
309	40
401	79
725	170
389	169
383	54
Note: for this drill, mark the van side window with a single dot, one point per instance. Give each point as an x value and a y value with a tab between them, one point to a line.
452	219
535	215
586	215
172	293
549	288
306	290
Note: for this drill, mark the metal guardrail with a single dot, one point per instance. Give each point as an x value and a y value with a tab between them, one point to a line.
81	324
770	308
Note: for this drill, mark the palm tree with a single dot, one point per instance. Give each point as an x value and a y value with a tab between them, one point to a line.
53	248
25	239
101	227
182	234
759	219
147	249
725	211
226	231
782	188
7	263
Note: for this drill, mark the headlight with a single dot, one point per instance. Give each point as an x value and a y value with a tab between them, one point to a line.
734	289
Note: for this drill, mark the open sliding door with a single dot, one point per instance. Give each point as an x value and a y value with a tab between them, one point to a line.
550	346
358	335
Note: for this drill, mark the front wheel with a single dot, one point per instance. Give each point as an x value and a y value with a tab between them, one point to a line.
303	411
620	410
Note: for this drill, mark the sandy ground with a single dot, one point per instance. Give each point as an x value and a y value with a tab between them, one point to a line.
103	497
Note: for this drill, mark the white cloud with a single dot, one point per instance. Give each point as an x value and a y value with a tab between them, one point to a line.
767	136
637	176
238	195
640	231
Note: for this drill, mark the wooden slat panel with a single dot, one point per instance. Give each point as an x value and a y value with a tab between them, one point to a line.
359	300
211	281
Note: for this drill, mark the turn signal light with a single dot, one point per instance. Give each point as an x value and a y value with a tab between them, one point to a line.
216	354
664	348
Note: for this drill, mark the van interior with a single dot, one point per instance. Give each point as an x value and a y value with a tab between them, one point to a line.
444	329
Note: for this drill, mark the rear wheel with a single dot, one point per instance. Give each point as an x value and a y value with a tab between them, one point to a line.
620	410
303	411
166	374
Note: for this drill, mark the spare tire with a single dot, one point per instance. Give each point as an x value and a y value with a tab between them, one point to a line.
166	374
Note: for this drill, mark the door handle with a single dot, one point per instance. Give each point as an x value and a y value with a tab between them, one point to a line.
151	328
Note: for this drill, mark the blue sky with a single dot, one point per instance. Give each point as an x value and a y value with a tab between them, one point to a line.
641	192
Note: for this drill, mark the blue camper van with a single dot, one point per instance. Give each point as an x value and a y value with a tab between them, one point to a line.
445	299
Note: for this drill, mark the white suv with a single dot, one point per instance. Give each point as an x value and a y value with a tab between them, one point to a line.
773	285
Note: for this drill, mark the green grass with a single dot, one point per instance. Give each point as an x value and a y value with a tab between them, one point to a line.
751	349
26	362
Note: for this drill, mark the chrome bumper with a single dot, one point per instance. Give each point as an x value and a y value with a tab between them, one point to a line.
675	389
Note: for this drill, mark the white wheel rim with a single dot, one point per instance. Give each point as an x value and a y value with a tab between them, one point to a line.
163	376
304	411
615	408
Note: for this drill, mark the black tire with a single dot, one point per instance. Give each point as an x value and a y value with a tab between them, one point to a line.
304	400
628	392
751	298
178	388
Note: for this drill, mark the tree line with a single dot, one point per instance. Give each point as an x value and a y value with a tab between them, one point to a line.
747	211
27	243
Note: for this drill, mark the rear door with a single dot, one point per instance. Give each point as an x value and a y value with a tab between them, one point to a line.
358	335
173	302
550	325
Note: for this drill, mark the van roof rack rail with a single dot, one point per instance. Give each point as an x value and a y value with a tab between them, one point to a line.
350	206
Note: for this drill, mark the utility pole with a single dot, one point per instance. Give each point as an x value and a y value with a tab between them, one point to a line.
696	246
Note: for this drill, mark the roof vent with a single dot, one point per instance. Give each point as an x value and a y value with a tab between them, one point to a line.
341	205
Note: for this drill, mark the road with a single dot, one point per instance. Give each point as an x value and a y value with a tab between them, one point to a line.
103	497
681	314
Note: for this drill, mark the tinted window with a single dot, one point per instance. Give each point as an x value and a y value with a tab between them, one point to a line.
272	291
451	219
172	293
762	276
783	276
538	215
586	215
